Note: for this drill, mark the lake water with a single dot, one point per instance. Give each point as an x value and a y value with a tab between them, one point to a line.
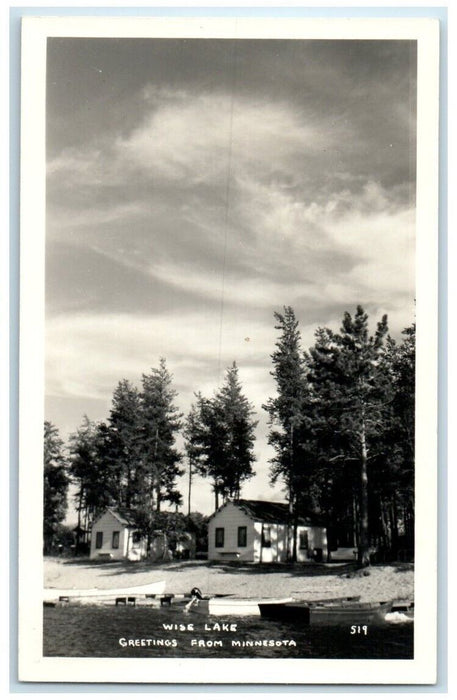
97	631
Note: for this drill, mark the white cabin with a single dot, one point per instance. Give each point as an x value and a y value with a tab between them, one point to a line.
260	531
114	536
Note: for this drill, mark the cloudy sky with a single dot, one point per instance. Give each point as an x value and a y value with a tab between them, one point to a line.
196	186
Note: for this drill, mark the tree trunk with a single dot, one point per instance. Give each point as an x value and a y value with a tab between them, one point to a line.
292	499
295	528
394	528
293	520
78	531
385	529
409	522
129	486
355	518
190	486
363	547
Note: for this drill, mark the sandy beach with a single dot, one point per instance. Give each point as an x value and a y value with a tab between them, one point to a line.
380	582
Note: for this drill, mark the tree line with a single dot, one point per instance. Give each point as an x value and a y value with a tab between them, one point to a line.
341	425
130	461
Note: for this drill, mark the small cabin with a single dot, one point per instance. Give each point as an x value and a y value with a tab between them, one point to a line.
261	531
114	536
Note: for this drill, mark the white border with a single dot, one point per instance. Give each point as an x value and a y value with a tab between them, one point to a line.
32	665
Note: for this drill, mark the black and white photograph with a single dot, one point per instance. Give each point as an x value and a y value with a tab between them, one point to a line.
229	258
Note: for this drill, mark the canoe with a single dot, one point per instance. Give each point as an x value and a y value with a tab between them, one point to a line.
327	613
153	588
228	606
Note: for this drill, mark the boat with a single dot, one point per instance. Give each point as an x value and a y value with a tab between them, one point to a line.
330	612
299	610
55	594
228	605
349	613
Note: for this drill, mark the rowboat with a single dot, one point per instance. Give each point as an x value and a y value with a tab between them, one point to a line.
153	588
327	612
228	606
350	613
299	610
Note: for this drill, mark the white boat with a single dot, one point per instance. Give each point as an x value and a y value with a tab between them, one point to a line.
227	605
153	588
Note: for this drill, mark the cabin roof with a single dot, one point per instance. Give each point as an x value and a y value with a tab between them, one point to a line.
123	516
270	512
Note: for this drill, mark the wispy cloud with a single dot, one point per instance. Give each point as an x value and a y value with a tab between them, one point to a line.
268	221
209	137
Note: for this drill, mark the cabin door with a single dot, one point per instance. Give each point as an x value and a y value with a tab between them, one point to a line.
267	550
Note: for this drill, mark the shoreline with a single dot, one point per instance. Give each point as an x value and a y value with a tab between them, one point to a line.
379	582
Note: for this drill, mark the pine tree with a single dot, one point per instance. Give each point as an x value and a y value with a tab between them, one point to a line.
335	476
352	390
395	475
221	438
125	429
81	466
401	361
161	421
191	443
288	416
209	444
238	425
90	471
56	483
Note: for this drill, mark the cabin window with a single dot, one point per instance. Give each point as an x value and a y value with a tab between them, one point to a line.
219	541
266	536
242	536
99	540
136	537
304	540
115	543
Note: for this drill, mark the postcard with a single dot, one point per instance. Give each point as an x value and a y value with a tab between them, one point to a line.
228	364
